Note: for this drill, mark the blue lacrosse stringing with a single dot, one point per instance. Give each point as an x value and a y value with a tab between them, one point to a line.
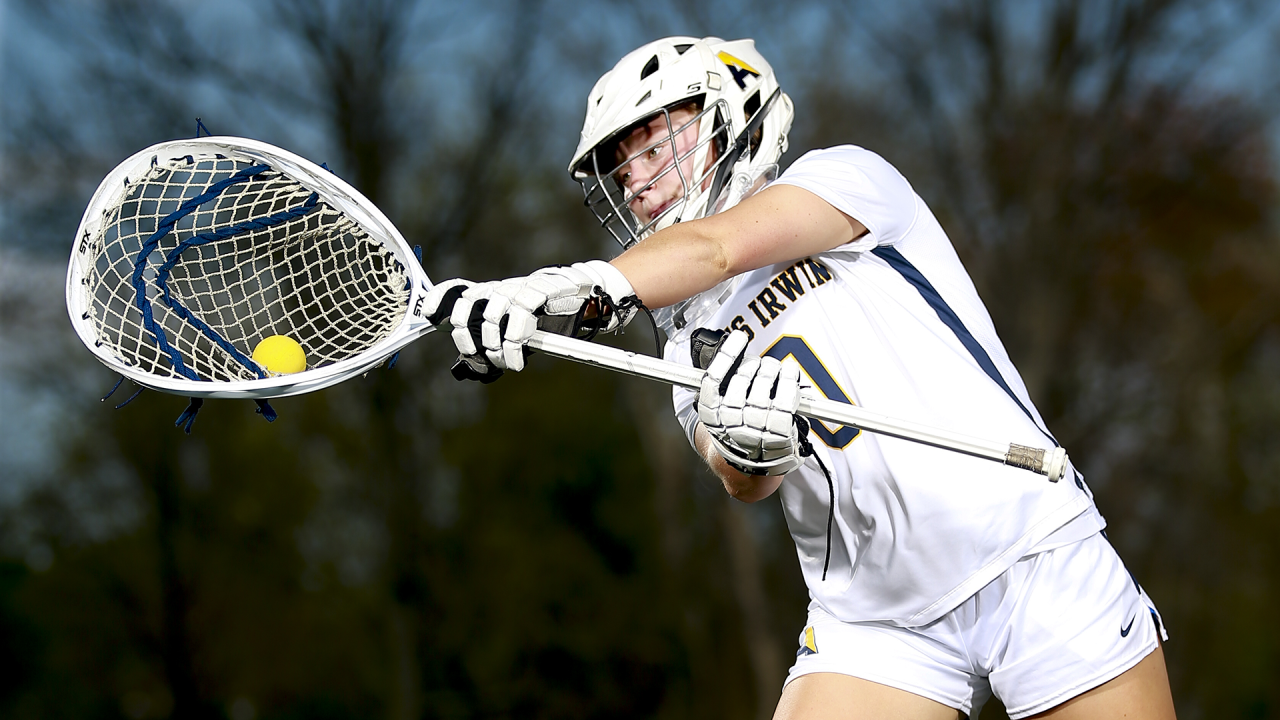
162	275
149	246
132	397
113	390
165	227
188	416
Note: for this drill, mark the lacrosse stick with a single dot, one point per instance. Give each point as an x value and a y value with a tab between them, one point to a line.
192	252
1052	463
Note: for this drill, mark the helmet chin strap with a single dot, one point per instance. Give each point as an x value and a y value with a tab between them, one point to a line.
739	154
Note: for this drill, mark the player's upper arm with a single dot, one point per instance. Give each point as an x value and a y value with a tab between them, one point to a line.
778	224
862	185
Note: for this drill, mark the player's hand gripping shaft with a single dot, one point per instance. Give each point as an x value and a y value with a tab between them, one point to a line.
461	303
748	407
493	322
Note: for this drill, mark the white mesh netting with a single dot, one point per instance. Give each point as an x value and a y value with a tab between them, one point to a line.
253	259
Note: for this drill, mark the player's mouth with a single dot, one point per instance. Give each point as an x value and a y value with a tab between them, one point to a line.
658	211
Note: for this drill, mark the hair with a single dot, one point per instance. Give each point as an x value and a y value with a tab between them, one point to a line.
609	148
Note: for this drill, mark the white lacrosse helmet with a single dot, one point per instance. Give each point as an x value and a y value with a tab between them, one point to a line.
743	121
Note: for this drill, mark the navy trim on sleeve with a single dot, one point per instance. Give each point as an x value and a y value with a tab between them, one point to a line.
891	255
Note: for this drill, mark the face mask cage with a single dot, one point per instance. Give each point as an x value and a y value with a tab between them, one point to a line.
607	199
605	181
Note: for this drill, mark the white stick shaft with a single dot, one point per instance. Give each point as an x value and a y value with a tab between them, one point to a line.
1051	463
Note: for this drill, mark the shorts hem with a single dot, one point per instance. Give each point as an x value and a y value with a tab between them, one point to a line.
1059	518
1101	678
963	706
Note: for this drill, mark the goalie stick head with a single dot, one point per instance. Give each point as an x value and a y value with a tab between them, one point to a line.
192	252
728	146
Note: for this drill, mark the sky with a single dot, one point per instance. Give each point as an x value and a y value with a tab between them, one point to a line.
28	437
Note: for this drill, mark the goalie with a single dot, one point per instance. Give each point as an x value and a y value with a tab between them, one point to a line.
936	579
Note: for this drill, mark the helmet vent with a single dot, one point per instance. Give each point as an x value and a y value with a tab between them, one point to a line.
650	67
681	49
647	95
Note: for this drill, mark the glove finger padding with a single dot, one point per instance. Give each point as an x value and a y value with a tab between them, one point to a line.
509	319
467	318
514	307
595	277
461	303
442	297
493	321
564	289
748	405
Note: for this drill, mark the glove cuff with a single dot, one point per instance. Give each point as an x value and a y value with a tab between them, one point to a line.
780	466
614	284
609	278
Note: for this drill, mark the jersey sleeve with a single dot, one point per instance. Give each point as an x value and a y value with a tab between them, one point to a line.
683	399
686	412
862	185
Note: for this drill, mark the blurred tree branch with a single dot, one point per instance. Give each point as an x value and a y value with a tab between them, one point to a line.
1115	208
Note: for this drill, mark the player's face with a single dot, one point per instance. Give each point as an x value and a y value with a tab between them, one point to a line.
647	171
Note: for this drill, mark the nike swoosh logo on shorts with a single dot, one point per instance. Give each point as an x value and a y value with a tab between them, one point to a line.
1124	631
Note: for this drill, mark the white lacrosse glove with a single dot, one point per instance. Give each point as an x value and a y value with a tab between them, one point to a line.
492	321
748	407
461	303
554	299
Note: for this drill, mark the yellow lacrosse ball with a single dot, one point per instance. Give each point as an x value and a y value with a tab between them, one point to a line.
280	354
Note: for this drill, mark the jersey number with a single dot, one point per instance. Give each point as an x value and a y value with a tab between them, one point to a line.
809	362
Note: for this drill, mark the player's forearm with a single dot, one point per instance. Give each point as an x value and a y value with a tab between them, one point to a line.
778	224
744	487
687	258
675	264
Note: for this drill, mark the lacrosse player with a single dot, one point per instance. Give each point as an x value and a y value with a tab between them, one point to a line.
936	579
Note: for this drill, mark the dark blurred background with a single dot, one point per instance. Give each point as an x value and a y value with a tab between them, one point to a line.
405	546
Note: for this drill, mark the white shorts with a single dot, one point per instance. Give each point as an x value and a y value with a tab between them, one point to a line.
1054	625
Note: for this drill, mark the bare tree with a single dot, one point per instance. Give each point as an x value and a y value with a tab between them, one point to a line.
1113	208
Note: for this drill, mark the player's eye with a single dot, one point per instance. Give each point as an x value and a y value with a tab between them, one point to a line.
655	151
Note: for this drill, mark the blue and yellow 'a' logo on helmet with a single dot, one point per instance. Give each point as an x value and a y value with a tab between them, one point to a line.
739	69
809	646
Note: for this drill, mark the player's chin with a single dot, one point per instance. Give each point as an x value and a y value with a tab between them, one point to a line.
642	214
650	214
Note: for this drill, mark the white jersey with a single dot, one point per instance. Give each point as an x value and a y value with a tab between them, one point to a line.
891	322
